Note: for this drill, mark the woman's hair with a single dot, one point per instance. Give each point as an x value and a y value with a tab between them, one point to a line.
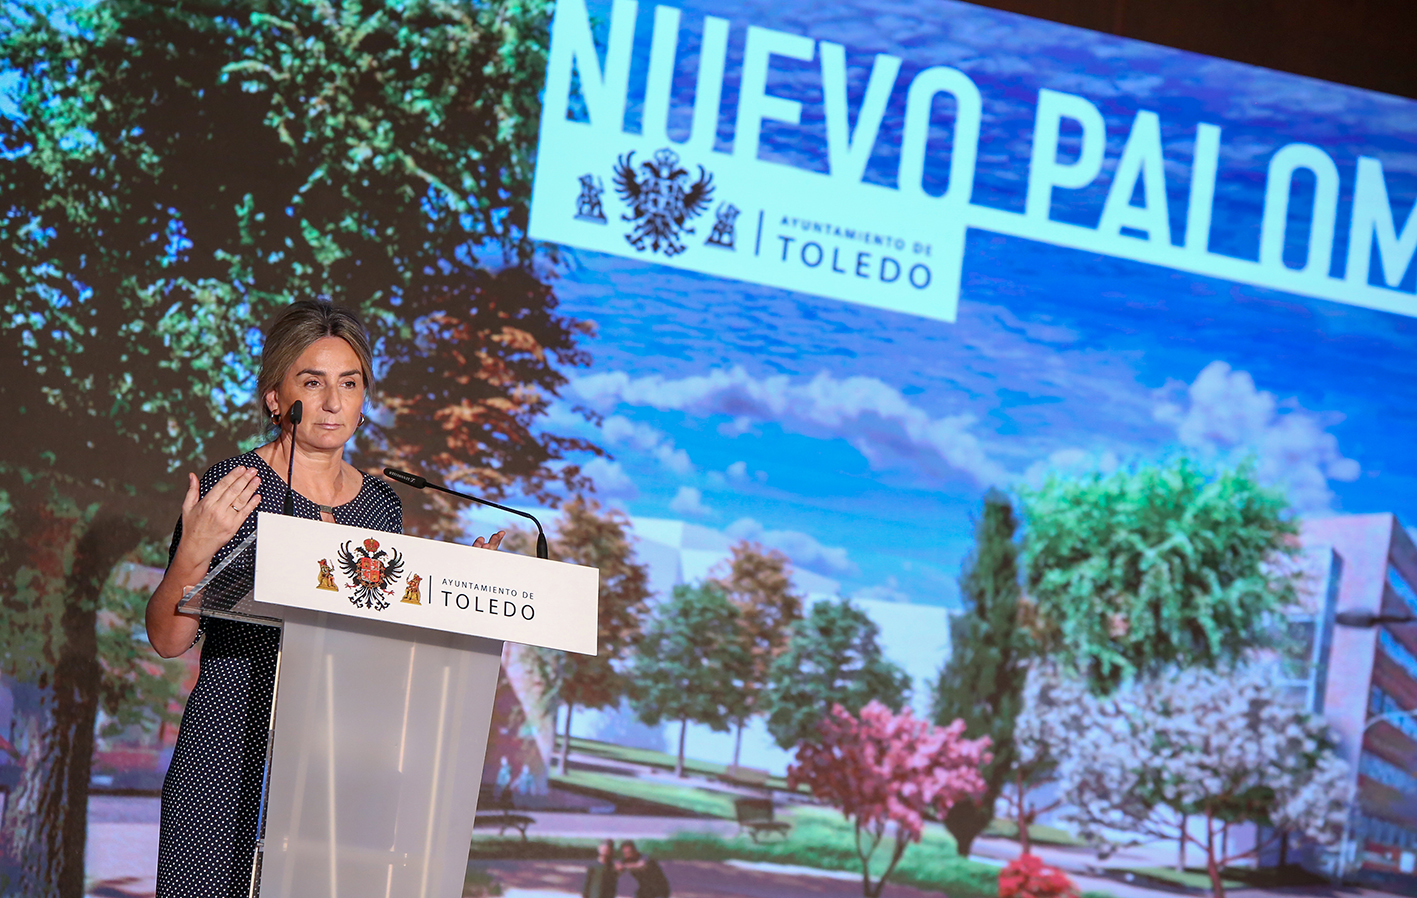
297	327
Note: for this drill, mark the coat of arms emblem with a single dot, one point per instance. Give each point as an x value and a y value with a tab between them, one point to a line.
373	570
661	199
411	593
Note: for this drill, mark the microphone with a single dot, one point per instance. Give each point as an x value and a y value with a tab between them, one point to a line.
296	412
419	483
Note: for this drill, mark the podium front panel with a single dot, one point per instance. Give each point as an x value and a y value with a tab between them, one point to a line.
377	758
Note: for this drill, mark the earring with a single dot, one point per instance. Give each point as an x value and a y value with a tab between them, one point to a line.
275	417
362	419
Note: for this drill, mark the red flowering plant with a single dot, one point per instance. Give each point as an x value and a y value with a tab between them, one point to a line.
1028	877
882	769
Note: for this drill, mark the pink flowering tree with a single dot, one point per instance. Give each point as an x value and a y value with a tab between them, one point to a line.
883	768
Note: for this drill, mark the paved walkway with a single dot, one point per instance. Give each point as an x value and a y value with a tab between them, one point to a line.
570	825
122	861
691	879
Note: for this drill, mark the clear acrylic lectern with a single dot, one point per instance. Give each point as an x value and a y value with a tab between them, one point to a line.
379	726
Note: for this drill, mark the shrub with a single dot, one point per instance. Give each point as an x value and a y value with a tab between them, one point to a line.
1028	877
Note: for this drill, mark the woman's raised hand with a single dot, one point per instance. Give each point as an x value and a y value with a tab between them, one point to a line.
210	521
491	542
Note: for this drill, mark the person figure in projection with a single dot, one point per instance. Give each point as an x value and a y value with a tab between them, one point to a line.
650	881
526	783
319	354
602	878
502	787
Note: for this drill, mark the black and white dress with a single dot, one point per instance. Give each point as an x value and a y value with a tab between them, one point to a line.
211	798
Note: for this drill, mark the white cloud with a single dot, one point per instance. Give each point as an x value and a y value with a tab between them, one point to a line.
803	549
889	591
737	474
874	417
611	481
1071	462
1223	412
689	501
620	430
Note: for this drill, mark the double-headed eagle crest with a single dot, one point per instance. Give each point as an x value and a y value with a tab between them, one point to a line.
373	571
661	199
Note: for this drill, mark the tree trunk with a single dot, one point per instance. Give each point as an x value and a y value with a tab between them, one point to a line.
1283	848
1024	819
965	820
738	744
679	763
48	822
566	741
1181	846
897	851
1212	866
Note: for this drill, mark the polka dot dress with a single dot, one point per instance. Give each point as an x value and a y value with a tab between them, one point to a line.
211	799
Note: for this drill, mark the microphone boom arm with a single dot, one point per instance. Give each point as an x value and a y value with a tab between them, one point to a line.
417	482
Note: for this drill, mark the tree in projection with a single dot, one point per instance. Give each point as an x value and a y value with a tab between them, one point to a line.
175	174
1052	708
1223	749
691	663
884	771
586	533
832	658
759	582
983	680
1155	566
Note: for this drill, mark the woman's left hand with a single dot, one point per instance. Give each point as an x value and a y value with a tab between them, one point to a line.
491	542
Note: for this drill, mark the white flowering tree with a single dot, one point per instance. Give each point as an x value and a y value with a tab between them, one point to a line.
1053	710
1224	749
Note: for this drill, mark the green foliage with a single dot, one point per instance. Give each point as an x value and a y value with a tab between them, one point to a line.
691	662
478	883
41	556
138	688
174	175
177	173
648	757
982	684
1156	566
820	838
37	583
832	658
705	802
492	847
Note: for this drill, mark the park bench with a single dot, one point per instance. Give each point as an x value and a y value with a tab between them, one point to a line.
500	813
504	820
755	816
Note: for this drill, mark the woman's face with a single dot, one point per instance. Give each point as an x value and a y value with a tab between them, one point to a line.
329	382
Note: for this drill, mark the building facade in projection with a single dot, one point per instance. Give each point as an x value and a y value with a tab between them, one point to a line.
1369	687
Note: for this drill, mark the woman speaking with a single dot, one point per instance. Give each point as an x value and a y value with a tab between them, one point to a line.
317	354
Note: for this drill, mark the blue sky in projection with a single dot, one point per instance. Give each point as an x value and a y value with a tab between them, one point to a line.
861	441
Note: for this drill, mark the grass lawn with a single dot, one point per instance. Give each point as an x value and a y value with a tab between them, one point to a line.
1043	835
480	884
501	848
821	838
1191	878
1232	877
684	798
662	760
